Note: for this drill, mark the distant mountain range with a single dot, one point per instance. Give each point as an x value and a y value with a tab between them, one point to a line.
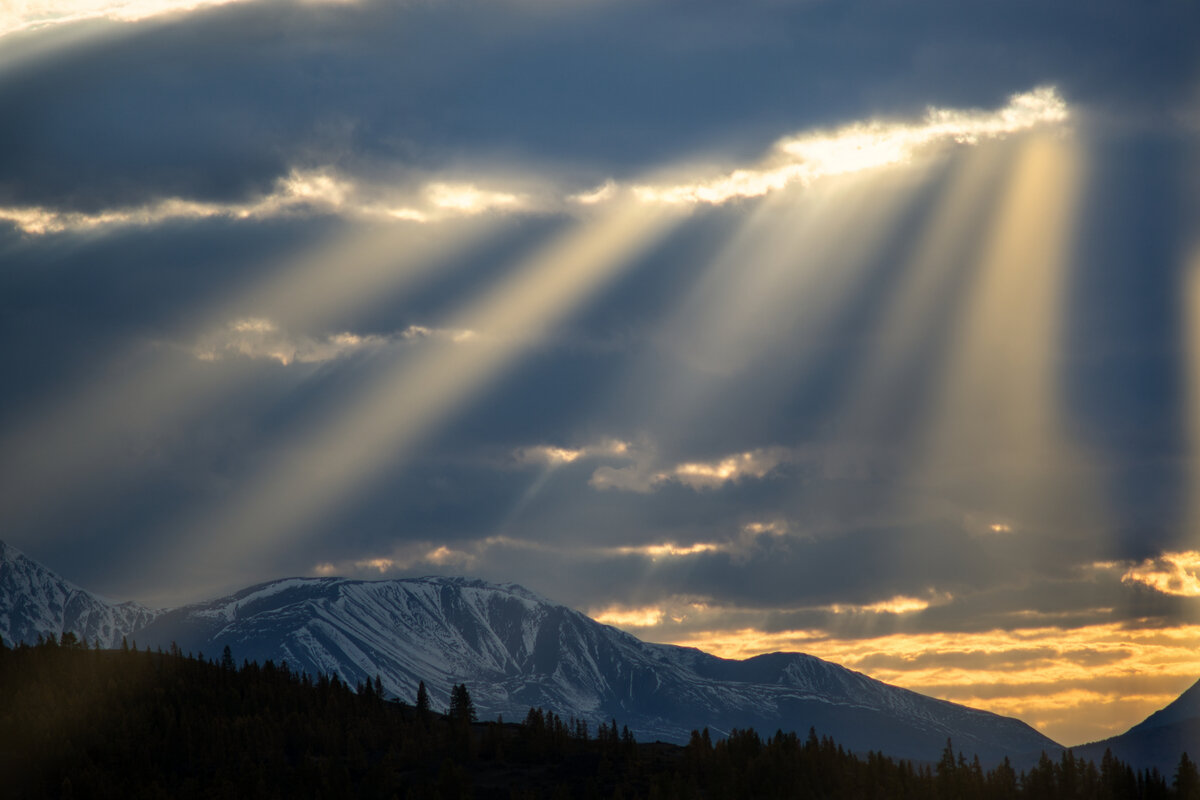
515	650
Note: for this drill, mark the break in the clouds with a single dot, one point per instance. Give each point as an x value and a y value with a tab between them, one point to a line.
853	328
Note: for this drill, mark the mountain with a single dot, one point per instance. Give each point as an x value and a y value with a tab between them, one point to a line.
35	601
1158	740
515	650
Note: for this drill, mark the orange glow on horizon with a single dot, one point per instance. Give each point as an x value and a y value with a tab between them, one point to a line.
1074	685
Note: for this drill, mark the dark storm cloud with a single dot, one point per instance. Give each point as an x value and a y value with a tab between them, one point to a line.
218	103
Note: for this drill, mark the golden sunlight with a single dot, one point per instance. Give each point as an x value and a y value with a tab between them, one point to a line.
998	430
1190	295
927	280
1075	685
139	393
390	415
623	617
807	157
1170	573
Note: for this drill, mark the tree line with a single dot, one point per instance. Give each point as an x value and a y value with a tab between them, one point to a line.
78	721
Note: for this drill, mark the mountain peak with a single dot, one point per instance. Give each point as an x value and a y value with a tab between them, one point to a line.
1181	709
35	601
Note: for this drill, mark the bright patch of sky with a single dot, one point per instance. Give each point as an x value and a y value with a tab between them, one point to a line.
25	15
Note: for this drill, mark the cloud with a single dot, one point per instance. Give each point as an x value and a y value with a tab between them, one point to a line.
26	15
405	558
602	193
624	617
896	605
455	335
666	550
797	159
643	476
467	198
806	157
258	338
1170	573
700	475
301	192
261	339
555	456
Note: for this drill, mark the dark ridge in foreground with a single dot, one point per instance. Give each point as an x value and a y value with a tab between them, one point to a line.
79	722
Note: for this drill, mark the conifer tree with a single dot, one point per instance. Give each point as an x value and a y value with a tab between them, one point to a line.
461	706
423	711
1187	779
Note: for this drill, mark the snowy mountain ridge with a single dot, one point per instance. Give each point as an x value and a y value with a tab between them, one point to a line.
514	650
35	601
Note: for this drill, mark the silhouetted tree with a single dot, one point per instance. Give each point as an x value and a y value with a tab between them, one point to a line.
422	701
461	706
1187	779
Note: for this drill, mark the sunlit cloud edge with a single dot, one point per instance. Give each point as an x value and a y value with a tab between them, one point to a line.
797	159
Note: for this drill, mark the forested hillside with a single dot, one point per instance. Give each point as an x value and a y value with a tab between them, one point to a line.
83	722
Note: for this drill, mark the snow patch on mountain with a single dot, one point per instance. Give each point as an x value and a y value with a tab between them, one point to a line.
36	602
515	650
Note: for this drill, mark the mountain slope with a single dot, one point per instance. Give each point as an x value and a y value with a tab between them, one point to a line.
515	649
36	602
1158	740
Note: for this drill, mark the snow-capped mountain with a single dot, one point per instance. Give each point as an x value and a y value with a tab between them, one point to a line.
515	650
35	601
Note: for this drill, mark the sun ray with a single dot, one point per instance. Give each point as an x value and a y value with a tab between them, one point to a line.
907	326
776	288
1190	536
391	415
151	388
998	435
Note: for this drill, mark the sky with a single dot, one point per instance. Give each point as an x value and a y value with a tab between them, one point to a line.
864	329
